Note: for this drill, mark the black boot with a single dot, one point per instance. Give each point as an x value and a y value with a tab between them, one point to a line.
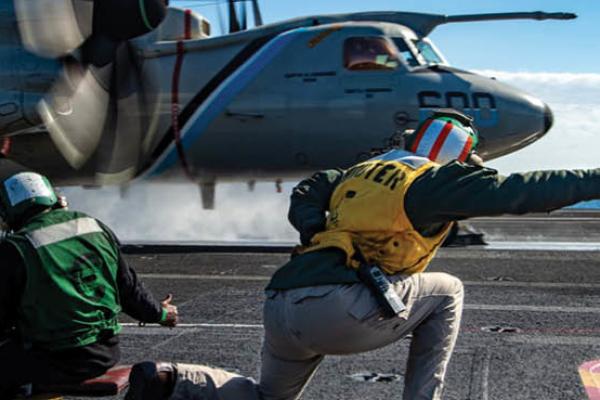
151	381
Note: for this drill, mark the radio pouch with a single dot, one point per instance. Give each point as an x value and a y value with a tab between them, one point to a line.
376	280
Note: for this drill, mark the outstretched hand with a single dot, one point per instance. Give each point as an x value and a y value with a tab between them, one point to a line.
172	314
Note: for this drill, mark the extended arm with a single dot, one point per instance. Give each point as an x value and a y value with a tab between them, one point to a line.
458	191
136	300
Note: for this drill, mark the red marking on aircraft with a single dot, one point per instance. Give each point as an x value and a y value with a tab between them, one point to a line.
6	146
175	94
187	35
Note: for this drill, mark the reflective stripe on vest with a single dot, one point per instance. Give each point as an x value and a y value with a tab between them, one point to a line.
59	232
71	296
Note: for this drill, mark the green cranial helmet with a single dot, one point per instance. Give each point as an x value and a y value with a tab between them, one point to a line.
23	195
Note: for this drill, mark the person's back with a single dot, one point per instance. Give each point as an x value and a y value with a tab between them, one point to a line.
70	298
63	283
367	215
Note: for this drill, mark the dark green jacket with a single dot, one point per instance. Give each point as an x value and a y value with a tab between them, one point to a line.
134	298
71	295
452	192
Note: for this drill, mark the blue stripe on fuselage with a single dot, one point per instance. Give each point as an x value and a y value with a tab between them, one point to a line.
215	104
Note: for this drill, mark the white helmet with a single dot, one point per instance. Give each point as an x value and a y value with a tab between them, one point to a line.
25	193
445	136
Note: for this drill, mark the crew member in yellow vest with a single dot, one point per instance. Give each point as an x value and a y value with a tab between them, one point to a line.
367	215
317	304
367	207
369	233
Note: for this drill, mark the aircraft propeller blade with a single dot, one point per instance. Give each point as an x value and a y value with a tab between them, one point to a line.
75	110
95	110
243	16
234	25
126	19
258	21
53	28
121	144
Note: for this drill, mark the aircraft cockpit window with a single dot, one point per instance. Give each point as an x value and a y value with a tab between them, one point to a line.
406	52
369	53
428	52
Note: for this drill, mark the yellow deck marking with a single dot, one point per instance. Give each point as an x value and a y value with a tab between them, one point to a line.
590	377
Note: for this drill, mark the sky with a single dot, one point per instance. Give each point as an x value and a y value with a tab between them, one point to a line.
548	46
557	61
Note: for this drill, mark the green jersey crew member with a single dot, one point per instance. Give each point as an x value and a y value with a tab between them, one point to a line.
63	282
393	211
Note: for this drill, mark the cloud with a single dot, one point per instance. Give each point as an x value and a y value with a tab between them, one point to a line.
574	140
557	88
174	212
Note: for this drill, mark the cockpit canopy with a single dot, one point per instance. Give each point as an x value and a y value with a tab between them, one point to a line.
386	53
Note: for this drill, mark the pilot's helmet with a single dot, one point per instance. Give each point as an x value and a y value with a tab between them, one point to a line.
445	136
24	195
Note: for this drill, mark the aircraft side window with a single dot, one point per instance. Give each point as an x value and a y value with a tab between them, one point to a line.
369	53
428	52
406	52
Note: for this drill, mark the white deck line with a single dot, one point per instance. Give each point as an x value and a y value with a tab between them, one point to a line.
528	308
535	219
155	329
258	278
495	245
526	245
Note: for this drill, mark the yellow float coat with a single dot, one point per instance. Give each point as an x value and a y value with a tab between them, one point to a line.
366	212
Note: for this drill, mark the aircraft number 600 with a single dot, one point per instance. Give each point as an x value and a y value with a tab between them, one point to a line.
458	100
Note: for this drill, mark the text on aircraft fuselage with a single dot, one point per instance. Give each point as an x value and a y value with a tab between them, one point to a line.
272	102
480	105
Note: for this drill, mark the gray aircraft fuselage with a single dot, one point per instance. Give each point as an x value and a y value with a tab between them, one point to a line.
274	102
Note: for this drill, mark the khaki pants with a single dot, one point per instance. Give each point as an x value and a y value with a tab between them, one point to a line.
199	382
302	325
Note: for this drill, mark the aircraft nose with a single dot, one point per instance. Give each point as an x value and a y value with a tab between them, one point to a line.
548	118
523	119
516	120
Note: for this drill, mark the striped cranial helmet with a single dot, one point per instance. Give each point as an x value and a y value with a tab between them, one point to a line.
445	136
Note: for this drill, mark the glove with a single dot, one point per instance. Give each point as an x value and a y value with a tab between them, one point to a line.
170	314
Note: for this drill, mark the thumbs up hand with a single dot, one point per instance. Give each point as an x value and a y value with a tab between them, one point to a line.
172	315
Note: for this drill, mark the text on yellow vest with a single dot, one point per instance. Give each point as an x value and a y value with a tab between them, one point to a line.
366	212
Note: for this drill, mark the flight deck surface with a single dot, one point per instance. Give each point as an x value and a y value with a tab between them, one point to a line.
531	317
